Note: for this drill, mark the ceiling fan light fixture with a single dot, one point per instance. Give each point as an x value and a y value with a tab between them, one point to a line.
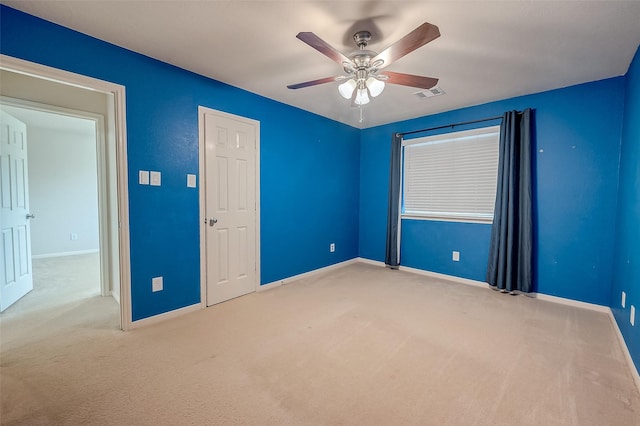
375	86
346	89
361	80
362	98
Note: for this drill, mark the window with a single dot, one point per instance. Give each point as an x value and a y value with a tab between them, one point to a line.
451	176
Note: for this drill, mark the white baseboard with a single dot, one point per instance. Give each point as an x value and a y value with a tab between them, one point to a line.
431	274
64	253
165	316
370	262
426	273
272	285
625	350
288	280
571	302
445	277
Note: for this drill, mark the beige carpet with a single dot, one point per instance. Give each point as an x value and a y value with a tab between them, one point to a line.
58	281
60	286
358	345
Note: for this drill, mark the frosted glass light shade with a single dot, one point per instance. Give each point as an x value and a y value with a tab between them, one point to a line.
346	89
362	98
375	86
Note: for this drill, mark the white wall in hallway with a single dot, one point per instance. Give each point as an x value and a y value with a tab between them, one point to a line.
63	190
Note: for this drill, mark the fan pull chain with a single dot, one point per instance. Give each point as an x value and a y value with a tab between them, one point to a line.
361	117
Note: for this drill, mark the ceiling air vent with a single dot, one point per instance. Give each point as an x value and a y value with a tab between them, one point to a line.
430	93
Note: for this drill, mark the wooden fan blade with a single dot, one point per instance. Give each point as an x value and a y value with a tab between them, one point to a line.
312	83
410	80
323	47
407	44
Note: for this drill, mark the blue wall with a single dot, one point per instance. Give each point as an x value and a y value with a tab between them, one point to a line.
308	164
577	145
428	245
627	253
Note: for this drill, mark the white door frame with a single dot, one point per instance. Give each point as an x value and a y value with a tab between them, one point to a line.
101	154
118	91
203	190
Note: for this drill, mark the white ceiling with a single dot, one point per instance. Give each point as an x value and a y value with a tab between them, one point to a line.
51	121
489	50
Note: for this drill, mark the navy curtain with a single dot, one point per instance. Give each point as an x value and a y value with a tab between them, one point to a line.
510	266
392	257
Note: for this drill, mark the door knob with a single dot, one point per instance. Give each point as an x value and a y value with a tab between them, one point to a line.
213	221
31	216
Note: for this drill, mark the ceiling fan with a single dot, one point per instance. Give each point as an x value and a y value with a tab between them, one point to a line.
364	76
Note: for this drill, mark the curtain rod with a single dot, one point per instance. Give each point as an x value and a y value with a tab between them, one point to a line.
452	125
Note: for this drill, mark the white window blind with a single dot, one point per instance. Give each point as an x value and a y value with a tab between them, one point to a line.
451	176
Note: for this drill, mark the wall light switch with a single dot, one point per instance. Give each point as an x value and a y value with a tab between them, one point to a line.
156	284
143	177
624	299
155	178
632	315
455	256
191	181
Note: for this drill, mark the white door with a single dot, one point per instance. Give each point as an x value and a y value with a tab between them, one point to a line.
230	198
16	277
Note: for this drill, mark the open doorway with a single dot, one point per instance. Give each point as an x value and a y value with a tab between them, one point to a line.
81	236
66	206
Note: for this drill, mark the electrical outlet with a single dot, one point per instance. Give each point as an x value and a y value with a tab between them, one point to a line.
624	299
191	181
156	284
632	315
455	256
332	247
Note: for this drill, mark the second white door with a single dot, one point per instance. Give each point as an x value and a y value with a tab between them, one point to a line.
16	277
230	198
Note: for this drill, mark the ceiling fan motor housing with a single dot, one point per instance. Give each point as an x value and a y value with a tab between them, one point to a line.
362	58
362	38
